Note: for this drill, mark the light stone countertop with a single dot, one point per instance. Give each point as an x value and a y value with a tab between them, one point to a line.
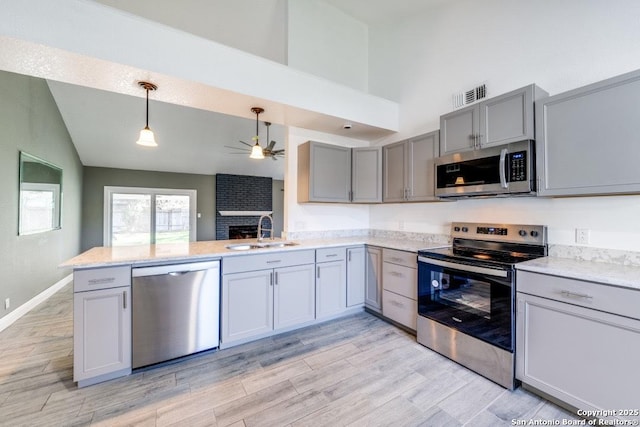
193	251
600	272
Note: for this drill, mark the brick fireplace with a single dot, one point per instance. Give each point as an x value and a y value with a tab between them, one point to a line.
242	194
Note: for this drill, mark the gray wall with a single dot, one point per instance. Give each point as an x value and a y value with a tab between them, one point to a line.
30	122
95	179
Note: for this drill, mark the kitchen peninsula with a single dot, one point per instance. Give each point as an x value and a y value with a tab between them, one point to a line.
266	288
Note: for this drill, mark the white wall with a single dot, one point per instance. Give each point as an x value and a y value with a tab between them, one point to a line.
317	216
327	42
257	27
559	45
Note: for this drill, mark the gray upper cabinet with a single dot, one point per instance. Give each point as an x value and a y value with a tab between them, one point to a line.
331	173
587	139
408	170
500	120
324	173
366	175
459	129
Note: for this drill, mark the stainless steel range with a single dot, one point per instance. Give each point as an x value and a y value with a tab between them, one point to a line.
466	295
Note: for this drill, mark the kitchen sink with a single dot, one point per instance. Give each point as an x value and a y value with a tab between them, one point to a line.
261	245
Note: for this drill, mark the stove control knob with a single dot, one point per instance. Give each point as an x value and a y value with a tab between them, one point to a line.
435	284
456	229
534	233
465	229
522	233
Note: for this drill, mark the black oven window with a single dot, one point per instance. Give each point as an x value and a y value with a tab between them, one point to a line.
472	296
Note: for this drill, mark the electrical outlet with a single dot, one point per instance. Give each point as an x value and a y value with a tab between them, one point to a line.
7	303
582	236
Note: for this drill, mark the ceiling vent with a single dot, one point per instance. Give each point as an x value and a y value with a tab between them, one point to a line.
462	99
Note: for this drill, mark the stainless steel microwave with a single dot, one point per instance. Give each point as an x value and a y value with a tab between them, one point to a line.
496	171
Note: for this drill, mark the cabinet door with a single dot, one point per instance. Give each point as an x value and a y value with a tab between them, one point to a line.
507	118
247	304
331	289
458	130
578	355
587	139
102	332
420	170
294	295
324	173
373	279
394	185
355	276
366	175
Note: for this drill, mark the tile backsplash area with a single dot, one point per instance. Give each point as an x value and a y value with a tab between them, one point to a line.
241	193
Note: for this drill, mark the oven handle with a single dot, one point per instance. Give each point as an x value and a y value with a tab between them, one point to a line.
464	267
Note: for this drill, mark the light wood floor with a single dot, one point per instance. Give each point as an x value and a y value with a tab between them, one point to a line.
358	370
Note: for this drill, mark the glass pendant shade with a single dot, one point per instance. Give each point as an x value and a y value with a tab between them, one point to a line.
147	138
256	152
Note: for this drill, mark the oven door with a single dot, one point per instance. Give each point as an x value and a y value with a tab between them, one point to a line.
472	299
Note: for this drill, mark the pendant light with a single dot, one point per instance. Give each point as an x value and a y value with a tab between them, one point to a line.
256	150
147	138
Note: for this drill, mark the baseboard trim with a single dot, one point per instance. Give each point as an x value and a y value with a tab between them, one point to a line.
16	314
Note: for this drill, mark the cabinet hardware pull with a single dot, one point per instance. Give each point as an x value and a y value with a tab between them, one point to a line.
396	274
276	278
456	319
318	272
271	279
124	300
349	254
274	261
575	295
331	255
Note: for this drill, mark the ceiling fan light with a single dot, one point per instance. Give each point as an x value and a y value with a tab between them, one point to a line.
147	139
256	152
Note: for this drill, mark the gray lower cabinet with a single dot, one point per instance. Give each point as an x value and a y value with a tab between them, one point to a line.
587	139
101	324
399	284
356	271
577	341
279	294
332	173
496	121
331	282
408	169
373	278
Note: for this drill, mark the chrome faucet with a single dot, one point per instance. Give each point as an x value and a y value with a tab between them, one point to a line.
267	229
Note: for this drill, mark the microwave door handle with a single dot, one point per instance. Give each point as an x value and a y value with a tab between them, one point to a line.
503	168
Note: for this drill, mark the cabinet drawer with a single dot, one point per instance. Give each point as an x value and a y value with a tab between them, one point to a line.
263	261
612	299
400	279
101	278
409	259
400	309
331	254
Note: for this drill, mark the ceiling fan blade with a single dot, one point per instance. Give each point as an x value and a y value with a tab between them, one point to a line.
271	145
245	143
238	148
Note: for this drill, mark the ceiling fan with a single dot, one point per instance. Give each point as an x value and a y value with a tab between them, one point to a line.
256	151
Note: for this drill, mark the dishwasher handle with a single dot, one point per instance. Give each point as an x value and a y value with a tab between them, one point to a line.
174	269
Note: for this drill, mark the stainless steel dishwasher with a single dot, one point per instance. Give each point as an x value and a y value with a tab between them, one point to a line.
175	311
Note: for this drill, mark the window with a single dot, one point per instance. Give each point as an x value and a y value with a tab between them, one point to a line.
138	216
39	204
